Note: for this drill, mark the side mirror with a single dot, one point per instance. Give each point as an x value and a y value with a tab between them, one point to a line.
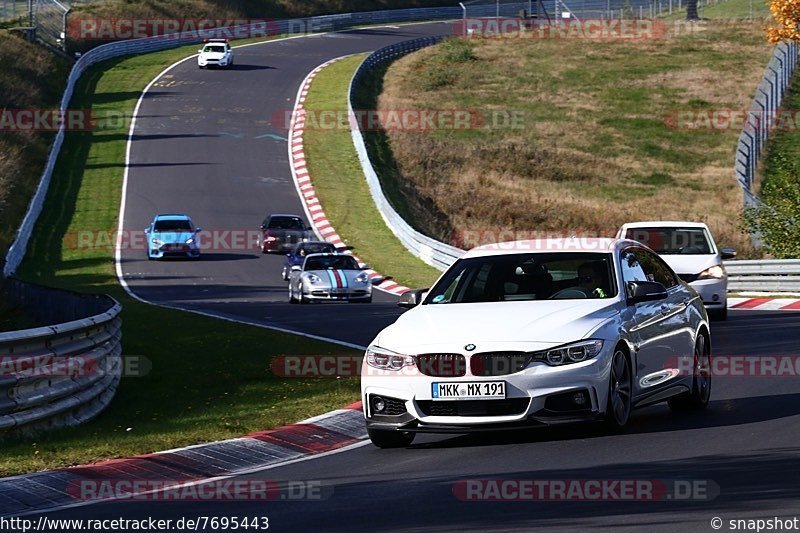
366	267
263	226
412	298
198	230
200	51
728	253
308	228
147	230
288	255
645	291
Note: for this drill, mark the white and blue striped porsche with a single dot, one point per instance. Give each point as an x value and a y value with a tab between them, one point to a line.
329	277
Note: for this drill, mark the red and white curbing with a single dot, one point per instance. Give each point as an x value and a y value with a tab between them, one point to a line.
184	467
305	187
765	304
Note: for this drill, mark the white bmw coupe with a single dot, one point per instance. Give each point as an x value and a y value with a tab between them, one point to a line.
538	332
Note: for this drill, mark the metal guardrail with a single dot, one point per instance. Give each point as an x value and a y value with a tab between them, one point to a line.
60	375
769	275
431	251
762	115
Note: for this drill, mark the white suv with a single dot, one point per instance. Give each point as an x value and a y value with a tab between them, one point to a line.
215	53
690	250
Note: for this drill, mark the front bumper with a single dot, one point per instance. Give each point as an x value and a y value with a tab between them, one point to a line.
713	292
173	250
279	245
211	63
327	294
537	396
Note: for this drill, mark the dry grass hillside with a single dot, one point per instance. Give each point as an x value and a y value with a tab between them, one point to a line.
592	148
32	78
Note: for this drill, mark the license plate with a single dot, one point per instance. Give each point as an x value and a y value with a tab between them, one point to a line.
478	390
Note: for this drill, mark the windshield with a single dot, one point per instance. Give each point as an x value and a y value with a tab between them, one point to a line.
666	241
214	49
172	225
533	276
286	223
331	262
315	248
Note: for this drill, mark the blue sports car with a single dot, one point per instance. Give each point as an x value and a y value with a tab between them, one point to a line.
172	235
301	250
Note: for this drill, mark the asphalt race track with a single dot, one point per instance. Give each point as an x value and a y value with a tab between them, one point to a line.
200	147
212	144
745	443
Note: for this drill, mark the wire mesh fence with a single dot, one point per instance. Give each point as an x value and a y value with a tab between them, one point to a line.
50	17
14	11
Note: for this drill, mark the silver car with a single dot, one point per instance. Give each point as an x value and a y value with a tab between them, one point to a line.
329	277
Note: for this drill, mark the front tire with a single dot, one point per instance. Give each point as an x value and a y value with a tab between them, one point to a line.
719	314
697	399
618	407
390	439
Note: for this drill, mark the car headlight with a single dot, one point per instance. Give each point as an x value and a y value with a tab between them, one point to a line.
714	272
190	240
270	238
157	242
570	353
314	279
362	278
384	359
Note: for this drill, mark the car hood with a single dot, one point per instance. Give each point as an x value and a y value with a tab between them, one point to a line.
212	55
347	276
172	236
535	325
690	264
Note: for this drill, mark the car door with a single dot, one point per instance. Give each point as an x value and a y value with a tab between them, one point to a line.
676	309
648	325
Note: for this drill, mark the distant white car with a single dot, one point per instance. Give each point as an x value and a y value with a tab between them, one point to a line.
215	53
690	250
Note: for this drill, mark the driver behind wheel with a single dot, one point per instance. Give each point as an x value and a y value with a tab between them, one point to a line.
590	278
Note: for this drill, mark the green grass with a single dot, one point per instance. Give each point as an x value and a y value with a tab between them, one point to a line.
339	181
724	9
210	378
